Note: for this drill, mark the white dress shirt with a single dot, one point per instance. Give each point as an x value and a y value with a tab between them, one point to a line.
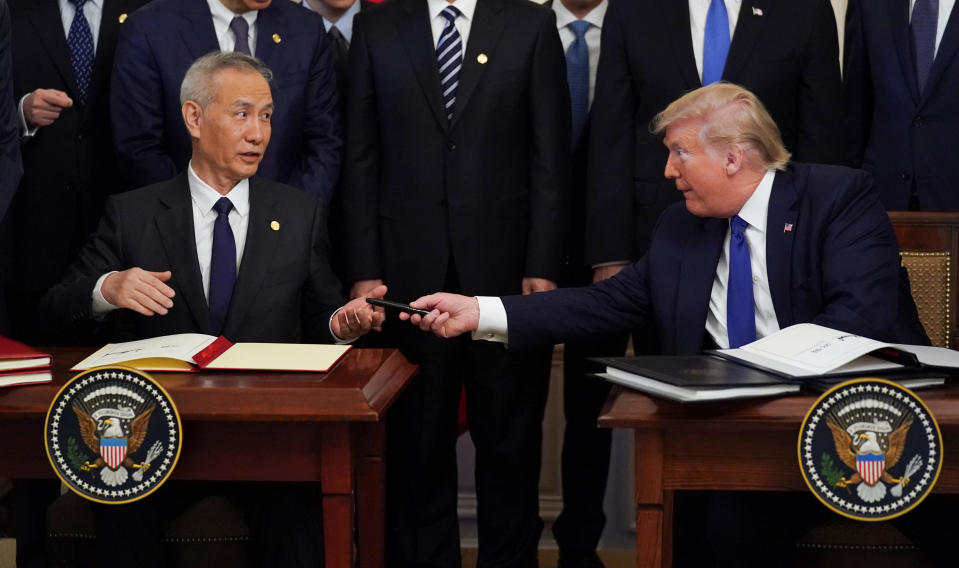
437	22
222	16
945	10
93	12
697	25
754	212
595	18
345	23
493	324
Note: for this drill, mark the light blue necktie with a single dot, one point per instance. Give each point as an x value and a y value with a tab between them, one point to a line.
716	42
922	28
449	58
577	75
740	306
80	42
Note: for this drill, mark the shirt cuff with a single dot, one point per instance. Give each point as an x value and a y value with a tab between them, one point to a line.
101	306
610	263
25	130
492	325
337	340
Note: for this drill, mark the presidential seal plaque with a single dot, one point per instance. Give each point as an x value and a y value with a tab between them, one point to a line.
870	450
112	435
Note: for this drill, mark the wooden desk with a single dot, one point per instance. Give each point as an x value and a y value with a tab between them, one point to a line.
263	427
739	445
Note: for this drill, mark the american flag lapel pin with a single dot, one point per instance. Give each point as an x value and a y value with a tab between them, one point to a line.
788	228
757	11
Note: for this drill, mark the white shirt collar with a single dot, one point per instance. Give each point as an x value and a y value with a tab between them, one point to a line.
205	196
756	208
466	7
595	16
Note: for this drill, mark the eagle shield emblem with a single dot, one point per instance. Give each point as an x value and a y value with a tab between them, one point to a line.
113	434
869	449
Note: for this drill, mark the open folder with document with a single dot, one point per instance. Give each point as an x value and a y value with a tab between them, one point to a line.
783	362
194	351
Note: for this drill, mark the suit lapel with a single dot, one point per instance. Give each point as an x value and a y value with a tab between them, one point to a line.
676	14
748	29
696	274
269	23
197	32
485	31
945	54
175	226
779	243
898	13
417	39
46	20
261	242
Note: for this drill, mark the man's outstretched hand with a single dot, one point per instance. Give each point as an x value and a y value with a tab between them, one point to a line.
357	317
450	314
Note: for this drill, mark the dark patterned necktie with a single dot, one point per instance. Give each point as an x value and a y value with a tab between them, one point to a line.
577	75
241	29
80	42
922	28
222	265
449	57
340	56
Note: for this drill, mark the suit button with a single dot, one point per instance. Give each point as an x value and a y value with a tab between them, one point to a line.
918	121
450	145
79	137
443	202
906	176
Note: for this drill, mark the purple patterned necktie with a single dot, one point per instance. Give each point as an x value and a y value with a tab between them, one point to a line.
80	42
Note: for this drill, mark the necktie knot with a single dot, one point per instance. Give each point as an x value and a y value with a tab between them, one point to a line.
450	13
579	28
335	33
241	29
223	206
738	226
78	3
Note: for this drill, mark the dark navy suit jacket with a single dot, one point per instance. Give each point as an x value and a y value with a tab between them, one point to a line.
832	259
906	137
159	42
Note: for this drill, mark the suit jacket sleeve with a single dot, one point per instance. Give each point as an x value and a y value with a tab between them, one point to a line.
321	296
615	305
820	98
318	170
860	264
857	87
609	198
136	109
360	190
68	304
549	155
11	167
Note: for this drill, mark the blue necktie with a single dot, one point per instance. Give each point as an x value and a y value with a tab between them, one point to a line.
241	30
80	42
715	42
449	58
577	75
222	265
925	19
740	307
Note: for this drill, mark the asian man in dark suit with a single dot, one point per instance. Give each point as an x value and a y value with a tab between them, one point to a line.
785	51
758	244
62	87
459	112
902	77
159	42
215	250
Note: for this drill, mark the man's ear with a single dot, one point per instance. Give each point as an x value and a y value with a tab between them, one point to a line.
735	159
192	113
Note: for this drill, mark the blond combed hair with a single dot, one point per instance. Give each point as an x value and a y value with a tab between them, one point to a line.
731	116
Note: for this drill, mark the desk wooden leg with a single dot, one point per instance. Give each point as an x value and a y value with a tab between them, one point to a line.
650	514
337	467
371	495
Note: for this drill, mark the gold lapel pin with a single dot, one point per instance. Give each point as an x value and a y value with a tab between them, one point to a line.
277	38
275	225
482	59
123	18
